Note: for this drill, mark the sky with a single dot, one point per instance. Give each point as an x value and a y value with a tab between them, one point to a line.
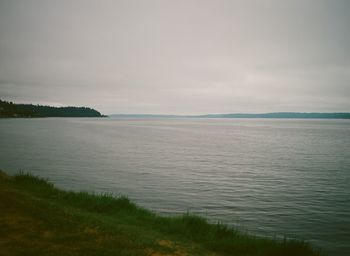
177	57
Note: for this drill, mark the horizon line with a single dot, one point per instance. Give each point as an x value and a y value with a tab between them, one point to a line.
286	115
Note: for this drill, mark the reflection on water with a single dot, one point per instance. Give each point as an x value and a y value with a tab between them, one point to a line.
270	177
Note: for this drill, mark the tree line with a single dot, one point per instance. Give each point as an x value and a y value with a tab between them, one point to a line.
10	109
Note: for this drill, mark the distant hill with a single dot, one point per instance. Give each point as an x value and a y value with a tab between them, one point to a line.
10	109
282	115
295	115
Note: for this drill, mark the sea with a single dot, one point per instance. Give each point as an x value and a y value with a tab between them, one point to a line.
269	177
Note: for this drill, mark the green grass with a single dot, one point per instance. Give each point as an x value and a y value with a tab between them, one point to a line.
37	218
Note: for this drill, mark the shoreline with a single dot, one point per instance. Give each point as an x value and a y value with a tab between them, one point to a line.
80	223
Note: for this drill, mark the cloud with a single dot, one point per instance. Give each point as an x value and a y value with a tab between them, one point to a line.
177	57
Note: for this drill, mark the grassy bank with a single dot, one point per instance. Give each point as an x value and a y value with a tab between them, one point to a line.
38	219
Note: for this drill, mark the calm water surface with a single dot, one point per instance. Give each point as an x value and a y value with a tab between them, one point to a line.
270	177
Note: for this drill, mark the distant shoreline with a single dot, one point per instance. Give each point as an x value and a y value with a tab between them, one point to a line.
14	110
276	115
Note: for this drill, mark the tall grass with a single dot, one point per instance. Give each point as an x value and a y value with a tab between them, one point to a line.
218	238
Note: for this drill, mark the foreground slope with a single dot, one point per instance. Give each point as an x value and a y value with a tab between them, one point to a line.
38	219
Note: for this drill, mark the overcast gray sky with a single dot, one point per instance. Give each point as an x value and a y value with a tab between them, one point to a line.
177	57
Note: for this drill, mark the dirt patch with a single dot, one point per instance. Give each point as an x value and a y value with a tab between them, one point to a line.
176	250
